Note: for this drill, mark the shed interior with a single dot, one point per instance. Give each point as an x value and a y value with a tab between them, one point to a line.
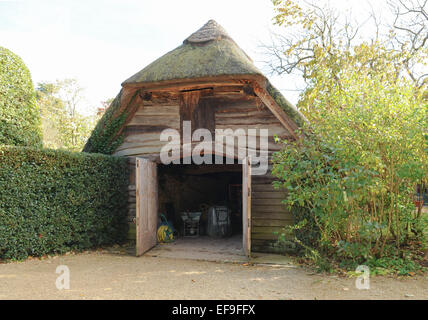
197	188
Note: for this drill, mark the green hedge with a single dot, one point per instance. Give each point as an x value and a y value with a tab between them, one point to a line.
20	123
55	201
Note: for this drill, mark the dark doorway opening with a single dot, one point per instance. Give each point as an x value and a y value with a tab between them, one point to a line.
206	189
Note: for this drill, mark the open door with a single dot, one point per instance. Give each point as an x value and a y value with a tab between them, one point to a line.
147	205
246	206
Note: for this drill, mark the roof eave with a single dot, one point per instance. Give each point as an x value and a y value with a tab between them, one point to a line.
189	82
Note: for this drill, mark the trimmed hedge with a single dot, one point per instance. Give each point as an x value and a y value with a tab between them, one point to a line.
20	122
55	201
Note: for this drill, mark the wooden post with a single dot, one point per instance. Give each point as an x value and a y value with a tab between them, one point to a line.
146	205
246	206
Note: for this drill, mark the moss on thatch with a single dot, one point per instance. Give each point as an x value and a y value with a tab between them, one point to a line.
215	58
287	106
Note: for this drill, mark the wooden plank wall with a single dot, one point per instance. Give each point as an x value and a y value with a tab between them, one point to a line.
142	133
269	215
249	113
241	112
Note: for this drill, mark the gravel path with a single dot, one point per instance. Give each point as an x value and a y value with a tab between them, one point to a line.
101	275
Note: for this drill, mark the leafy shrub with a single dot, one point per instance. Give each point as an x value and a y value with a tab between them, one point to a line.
357	169
342	208
54	201
20	122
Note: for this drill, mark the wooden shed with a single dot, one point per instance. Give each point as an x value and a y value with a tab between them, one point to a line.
207	82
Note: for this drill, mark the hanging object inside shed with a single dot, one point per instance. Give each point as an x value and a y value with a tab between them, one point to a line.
219	222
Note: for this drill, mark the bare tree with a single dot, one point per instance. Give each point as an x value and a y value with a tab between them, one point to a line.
309	27
315	26
72	95
411	35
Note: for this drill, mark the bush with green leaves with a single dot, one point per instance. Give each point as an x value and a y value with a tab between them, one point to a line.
343	210
356	172
20	122
55	201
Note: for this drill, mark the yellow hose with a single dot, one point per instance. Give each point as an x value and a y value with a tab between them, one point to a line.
164	234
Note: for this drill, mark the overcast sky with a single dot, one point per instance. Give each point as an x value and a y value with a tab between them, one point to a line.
103	42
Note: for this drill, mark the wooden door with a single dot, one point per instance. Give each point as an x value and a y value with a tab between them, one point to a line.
246	206
147	205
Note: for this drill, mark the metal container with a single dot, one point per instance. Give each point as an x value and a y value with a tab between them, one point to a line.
218	224
191	223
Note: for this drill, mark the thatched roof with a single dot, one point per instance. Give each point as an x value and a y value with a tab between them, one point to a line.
210	31
208	53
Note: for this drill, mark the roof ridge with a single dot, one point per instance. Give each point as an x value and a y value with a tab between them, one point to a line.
210	31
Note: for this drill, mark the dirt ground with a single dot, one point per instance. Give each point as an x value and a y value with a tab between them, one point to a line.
106	275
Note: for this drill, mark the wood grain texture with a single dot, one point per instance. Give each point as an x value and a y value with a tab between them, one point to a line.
229	107
246	206
276	110
269	215
146	205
